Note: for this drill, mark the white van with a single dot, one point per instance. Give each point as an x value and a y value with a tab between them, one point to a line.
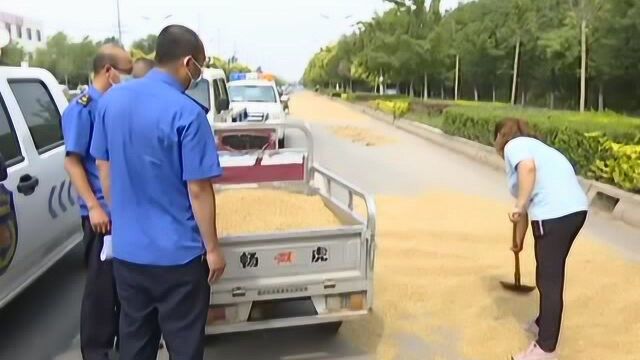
262	102
212	93
39	219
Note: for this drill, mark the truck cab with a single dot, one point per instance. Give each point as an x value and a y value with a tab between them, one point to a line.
39	219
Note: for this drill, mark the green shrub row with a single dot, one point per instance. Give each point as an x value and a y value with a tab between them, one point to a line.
397	108
602	146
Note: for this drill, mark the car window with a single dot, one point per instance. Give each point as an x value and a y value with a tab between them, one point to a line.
40	113
216	94
223	89
201	93
9	147
252	93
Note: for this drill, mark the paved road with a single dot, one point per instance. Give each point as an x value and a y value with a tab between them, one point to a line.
43	322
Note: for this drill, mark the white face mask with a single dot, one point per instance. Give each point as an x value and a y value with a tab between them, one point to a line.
194	81
123	78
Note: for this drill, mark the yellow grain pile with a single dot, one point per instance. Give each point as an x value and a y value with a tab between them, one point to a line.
305	105
362	136
250	211
440	259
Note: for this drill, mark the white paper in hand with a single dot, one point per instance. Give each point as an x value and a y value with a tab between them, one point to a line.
107	249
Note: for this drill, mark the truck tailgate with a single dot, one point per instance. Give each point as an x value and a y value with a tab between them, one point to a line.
261	264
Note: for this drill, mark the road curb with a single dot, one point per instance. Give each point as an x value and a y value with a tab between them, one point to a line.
620	204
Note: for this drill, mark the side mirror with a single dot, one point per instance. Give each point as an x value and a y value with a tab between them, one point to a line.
3	169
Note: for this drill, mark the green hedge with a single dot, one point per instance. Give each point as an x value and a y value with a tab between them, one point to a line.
372	97
397	108
602	146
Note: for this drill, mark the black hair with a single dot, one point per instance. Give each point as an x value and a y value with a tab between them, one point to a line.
176	42
103	59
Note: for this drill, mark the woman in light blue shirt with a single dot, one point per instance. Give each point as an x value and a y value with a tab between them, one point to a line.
548	193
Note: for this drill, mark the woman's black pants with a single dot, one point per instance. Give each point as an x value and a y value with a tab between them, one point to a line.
553	240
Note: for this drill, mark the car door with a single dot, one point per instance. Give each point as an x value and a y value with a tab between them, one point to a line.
14	244
46	206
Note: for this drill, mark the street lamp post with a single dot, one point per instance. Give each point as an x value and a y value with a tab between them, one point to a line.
119	23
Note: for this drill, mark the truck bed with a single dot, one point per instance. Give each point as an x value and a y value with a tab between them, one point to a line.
279	275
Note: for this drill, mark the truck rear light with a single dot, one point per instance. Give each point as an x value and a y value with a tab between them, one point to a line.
350	302
334	302
222	314
356	302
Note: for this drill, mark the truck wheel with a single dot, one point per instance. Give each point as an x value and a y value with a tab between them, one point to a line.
331	328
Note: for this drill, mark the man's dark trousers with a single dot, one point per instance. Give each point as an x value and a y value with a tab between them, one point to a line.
99	314
171	301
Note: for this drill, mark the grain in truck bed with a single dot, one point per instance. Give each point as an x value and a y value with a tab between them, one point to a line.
252	211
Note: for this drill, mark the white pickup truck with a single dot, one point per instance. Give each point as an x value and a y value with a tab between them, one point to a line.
39	219
328	272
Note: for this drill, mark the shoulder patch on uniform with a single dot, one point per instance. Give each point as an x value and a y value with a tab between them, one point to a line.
84	100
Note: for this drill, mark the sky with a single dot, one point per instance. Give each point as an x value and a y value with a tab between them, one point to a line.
278	35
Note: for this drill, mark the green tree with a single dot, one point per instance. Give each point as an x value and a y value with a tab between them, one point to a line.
585	11
12	54
70	63
147	44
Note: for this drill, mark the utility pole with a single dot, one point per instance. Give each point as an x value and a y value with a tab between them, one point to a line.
119	23
456	88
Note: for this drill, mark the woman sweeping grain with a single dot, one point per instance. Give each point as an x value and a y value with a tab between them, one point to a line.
547	191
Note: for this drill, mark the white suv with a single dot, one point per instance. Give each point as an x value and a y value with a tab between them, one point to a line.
260	99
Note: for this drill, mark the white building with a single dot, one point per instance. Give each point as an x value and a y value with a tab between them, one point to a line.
24	31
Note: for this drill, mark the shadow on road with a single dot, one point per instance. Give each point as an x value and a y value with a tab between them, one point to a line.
308	343
521	307
46	314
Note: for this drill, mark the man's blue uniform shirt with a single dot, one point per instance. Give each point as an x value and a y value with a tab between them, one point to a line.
156	139
78	122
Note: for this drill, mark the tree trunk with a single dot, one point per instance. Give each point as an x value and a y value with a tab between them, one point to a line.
516	62
411	89
425	94
552	102
350	85
583	67
455	90
493	89
524	97
442	91
601	98
475	93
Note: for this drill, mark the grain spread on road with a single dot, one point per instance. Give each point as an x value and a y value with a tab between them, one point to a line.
360	135
304	105
437	294
250	211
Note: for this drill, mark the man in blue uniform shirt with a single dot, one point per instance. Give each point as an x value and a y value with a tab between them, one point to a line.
157	156
99	316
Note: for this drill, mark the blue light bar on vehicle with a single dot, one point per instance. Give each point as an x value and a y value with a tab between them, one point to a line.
237	76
